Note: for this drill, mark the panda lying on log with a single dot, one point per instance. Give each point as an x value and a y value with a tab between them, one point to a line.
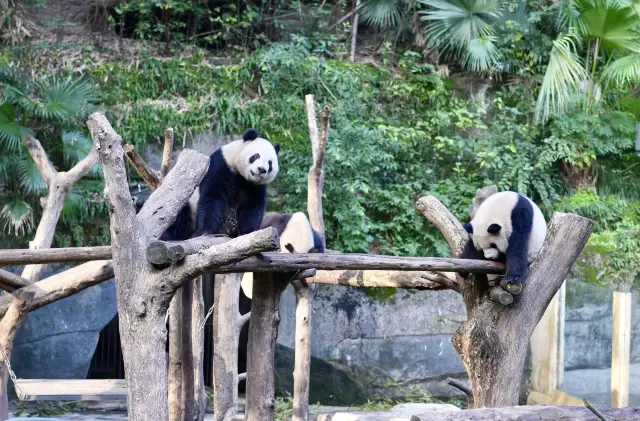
296	236
507	227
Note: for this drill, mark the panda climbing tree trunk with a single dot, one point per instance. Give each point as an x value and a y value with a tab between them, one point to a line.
493	341
143	293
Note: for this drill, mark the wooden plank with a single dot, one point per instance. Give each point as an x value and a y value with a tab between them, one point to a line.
555	398
544	349
71	390
621	349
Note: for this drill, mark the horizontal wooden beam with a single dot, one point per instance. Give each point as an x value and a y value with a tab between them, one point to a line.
273	261
20	257
285	262
527	413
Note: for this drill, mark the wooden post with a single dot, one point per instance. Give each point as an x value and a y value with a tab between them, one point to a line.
263	332
544	349
621	348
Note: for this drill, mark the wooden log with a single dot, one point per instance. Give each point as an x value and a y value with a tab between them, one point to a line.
284	262
621	349
304	296
514	288
530	413
501	296
263	332
376	279
146	172
166	152
10	281
18	257
161	252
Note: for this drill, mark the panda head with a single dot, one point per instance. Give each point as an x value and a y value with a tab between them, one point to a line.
257	159
491	239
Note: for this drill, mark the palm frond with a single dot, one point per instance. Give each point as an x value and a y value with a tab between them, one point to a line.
614	24
625	70
482	54
562	80
62	99
381	13
17	217
75	147
11	132
74	205
455	23
30	179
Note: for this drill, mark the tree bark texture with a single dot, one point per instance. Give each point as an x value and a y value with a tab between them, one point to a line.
263	332
143	293
226	333
530	413
493	341
15	257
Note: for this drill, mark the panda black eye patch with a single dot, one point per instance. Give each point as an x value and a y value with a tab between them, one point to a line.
253	158
270	166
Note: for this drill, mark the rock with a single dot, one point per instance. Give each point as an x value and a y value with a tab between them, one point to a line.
388	343
58	341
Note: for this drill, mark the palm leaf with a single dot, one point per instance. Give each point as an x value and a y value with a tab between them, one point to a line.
612	23
61	99
74	206
17	217
30	179
381	13
455	23
11	133
562	80
75	147
625	70
482	54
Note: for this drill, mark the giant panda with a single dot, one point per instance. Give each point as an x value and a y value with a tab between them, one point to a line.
507	227
296	236
232	195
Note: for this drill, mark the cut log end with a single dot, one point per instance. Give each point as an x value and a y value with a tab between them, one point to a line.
501	296
513	287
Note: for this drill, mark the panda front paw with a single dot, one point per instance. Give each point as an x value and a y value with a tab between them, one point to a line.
512	279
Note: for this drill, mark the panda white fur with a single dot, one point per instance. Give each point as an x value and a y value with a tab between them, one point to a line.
296	236
507	227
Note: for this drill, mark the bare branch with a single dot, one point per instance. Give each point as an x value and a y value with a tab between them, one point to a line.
40	158
166	153
123	213
10	281
162	207
219	255
442	280
63	284
146	172
81	168
444	220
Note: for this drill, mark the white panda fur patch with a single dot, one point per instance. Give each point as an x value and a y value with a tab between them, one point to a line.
298	233
237	154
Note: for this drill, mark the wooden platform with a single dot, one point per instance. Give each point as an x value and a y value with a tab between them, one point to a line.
71	390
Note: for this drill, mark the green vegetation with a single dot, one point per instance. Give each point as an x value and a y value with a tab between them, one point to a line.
416	115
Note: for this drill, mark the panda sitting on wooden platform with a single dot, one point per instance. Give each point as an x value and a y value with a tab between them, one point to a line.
296	236
232	196
506	227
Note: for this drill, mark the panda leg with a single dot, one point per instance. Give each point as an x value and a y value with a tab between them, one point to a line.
518	248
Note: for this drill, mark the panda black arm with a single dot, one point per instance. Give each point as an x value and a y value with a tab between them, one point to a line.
470	252
181	229
216	193
517	253
252	206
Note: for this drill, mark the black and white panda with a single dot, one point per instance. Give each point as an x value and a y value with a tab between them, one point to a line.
508	227
232	195
296	236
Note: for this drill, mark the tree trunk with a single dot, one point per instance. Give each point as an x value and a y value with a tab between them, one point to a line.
197	337
354	32
263	332
304	297
176	407
226	332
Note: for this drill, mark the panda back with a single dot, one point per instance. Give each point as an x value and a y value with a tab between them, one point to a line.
298	233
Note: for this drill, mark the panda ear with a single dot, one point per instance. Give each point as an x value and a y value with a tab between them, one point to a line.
494	229
250	134
277	148
468	228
